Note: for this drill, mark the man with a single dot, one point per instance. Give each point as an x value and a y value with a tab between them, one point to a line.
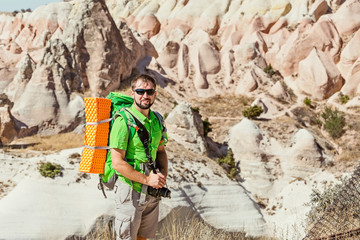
137	218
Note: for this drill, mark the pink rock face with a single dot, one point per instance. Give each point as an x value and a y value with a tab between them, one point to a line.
352	85
349	54
209	60
322	35
33	30
183	62
169	55
148	25
248	83
318	75
346	18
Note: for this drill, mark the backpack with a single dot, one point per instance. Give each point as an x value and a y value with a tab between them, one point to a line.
119	107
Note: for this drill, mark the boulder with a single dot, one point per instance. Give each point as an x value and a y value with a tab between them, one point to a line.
349	55
352	83
248	83
245	138
246	141
209	63
8	129
304	147
319	76
346	18
148	26
279	92
186	127
183	62
169	56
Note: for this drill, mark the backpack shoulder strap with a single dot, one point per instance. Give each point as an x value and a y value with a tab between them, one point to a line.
130	122
162	124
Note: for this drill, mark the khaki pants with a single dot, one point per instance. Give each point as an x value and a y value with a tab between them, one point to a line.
131	219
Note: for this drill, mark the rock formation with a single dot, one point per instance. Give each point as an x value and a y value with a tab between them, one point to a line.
185	127
273	54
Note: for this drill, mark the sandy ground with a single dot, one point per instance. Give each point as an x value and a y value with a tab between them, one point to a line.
35	207
43	208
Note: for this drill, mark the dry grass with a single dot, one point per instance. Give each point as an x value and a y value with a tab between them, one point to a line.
183	224
49	143
180	224
222	106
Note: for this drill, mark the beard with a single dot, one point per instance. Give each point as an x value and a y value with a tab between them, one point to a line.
144	106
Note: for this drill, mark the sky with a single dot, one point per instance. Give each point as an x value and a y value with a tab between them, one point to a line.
12	5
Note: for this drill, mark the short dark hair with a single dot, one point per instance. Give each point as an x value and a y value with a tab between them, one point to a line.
144	78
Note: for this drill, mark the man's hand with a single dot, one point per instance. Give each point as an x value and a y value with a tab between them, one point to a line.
156	180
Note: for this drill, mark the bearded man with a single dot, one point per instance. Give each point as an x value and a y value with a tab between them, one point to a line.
137	212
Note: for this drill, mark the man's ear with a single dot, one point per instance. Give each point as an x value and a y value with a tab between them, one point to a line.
132	93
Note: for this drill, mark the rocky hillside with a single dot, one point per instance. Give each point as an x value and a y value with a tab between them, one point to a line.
213	59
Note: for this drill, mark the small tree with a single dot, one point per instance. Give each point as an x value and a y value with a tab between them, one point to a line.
207	126
269	70
343	98
334	122
307	101
253	111
228	163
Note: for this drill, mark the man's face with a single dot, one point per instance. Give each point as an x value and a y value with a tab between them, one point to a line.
143	99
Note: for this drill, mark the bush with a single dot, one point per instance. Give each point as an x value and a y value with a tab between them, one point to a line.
334	122
207	126
343	98
307	101
195	109
269	70
253	111
228	163
50	170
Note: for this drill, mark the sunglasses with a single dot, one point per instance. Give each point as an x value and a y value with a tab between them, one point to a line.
143	91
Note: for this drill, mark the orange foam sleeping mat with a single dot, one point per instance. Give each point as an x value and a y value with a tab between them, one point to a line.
97	114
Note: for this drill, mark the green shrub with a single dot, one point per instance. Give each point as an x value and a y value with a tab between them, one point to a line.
207	126
49	169
195	109
252	111
307	101
228	163
269	70
343	98
334	122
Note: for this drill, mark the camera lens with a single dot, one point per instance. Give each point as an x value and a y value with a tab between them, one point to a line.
161	192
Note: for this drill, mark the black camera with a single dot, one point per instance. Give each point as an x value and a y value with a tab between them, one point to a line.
160	192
